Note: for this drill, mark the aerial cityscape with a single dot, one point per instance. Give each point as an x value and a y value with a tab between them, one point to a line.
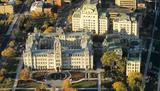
79	45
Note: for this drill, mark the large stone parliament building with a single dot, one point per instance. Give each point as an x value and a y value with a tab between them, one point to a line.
60	50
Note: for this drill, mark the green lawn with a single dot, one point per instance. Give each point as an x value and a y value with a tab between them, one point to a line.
85	84
29	84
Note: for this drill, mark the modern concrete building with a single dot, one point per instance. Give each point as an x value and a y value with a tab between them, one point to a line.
131	4
6	9
37	6
127	26
88	18
59	50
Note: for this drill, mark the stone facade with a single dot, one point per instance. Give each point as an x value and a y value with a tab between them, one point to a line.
59	51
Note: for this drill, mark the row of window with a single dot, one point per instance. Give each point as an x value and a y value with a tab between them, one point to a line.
129	64
88	16
133	71
133	68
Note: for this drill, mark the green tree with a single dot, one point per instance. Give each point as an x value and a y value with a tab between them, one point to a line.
46	24
115	64
114	61
135	80
3	72
121	65
109	58
119	86
12	43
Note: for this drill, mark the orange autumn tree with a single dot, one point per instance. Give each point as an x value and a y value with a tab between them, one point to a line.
40	89
66	86
66	83
70	89
8	52
35	14
24	74
49	30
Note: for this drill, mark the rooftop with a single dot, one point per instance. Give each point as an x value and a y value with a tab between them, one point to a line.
119	10
89	9
125	17
134	56
86	8
103	15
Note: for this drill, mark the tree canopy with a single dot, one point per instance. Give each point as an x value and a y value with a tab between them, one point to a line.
8	52
66	83
49	30
113	60
119	86
39	89
24	74
18	2
12	43
135	78
35	14
2	74
109	57
70	89
45	24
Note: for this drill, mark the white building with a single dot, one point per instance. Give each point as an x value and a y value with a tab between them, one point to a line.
131	4
127	26
88	18
133	61
37	6
58	50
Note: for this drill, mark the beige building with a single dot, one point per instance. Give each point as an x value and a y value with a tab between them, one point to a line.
131	4
127	26
133	63
59	51
6	9
88	18
133	66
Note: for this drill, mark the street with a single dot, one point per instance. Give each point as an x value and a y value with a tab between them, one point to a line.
17	75
150	48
